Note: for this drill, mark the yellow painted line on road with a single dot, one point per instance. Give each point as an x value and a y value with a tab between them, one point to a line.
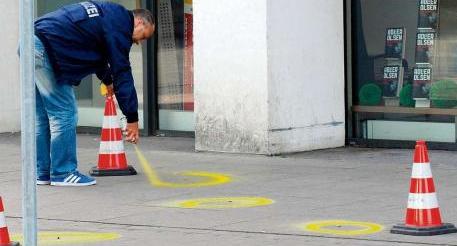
223	202
339	226
56	238
209	179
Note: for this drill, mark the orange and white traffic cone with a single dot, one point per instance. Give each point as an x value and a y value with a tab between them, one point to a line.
423	213
4	235
112	160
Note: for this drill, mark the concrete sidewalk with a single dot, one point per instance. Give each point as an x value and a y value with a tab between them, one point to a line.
355	184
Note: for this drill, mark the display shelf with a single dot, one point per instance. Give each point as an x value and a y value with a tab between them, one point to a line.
404	110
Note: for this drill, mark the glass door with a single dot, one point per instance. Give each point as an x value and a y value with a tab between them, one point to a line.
175	65
90	102
163	75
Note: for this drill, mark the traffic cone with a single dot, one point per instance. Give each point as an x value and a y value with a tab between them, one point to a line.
423	213
4	235
111	159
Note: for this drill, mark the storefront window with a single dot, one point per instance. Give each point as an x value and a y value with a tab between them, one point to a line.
90	102
175	65
404	83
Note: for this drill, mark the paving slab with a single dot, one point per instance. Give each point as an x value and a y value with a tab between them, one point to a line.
354	184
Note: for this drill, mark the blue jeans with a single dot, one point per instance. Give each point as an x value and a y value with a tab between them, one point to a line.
56	119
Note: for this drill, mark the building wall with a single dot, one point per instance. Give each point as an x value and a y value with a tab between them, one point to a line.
230	68
265	82
306	75
10	114
269	75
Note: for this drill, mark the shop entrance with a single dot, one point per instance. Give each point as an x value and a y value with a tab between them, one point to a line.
162	69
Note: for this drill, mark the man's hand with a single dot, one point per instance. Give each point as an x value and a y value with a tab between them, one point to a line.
110	90
106	90
132	132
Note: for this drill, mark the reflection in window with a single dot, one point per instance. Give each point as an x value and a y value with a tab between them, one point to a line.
175	64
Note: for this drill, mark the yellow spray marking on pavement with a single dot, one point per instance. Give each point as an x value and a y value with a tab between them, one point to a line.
222	202
323	227
65	238
210	179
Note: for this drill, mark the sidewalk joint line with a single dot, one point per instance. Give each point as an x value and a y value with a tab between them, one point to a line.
238	231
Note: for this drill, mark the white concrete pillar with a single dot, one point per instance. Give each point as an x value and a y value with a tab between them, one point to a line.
305	75
230	74
10	100
269	75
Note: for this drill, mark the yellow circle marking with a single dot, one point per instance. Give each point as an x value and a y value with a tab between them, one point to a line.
223	202
209	179
55	238
322	227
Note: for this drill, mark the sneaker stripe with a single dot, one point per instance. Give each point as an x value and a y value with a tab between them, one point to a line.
68	178
77	180
73	179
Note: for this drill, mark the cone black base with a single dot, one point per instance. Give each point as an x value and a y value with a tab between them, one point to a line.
115	172
423	231
11	244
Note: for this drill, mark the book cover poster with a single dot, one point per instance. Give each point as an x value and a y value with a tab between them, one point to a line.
425	42
391	81
428	14
422	82
395	40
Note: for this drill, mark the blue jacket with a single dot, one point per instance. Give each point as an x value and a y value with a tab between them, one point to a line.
92	37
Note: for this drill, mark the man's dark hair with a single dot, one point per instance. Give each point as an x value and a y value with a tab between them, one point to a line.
144	14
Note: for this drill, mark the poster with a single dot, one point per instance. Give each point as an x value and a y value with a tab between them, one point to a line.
421	82
395	42
425	42
428	14
392	81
